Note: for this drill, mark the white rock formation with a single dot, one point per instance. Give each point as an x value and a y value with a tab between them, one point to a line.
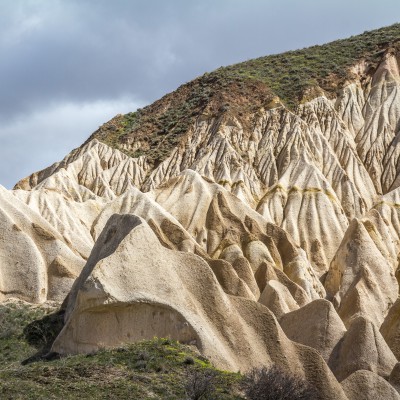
37	263
277	209
365	385
126	294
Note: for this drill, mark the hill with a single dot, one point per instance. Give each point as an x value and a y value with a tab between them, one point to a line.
253	214
290	78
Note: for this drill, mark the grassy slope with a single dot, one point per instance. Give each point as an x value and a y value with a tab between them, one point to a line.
328	66
244	87
157	369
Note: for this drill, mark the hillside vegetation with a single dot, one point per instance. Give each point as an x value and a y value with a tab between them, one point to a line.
156	369
244	87
328	66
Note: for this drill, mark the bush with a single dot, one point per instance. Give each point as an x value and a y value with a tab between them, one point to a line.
41	333
141	364
274	384
200	385
188	360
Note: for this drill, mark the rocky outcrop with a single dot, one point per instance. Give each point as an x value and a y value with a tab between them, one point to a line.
117	299
93	170
227	228
394	378
316	325
278	298
390	328
36	262
361	280
362	348
365	385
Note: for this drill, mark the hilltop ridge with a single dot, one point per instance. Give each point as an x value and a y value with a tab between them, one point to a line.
288	78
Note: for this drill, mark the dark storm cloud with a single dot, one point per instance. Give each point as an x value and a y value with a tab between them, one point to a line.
128	53
85	50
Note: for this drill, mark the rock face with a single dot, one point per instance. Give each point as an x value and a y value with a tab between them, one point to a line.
360	277
315	325
364	385
224	217
117	299
362	347
37	262
390	328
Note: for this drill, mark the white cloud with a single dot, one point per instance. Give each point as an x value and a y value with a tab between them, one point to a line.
34	141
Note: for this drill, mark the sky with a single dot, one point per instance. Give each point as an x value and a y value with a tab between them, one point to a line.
68	66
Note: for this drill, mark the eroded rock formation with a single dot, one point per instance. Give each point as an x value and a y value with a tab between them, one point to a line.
258	232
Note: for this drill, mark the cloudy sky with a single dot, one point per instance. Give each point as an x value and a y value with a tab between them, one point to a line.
67	66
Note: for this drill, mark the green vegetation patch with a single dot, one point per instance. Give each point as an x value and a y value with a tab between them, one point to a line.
14	318
290	73
155	369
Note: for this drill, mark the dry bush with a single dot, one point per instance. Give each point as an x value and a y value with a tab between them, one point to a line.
200	385
274	384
